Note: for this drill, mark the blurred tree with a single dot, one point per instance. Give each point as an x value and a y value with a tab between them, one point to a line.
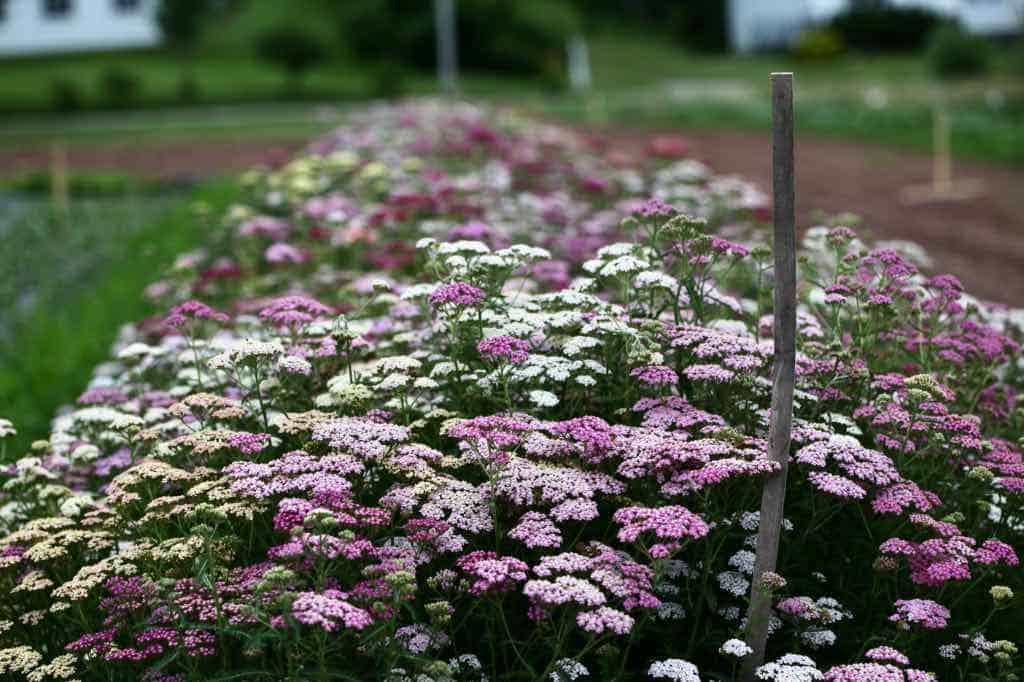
877	25
698	24
181	22
953	52
293	50
526	37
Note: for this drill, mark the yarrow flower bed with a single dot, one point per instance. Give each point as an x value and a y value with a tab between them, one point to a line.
456	397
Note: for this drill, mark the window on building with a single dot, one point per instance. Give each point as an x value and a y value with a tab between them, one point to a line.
56	9
126	5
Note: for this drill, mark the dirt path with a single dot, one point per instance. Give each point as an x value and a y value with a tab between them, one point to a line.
980	240
168	160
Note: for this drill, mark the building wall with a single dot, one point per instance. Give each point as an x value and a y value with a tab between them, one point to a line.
89	25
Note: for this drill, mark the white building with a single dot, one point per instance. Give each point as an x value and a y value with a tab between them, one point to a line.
46	26
765	24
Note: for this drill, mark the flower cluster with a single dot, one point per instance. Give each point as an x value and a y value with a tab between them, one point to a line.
490	405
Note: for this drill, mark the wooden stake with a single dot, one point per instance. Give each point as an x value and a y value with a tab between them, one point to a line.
943	186
59	175
579	63
783	369
447	51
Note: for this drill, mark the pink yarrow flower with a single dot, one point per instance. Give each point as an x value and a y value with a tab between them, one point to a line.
655	375
508	348
458	294
924	612
193	310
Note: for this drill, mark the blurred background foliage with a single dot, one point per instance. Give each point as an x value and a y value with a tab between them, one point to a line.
258	72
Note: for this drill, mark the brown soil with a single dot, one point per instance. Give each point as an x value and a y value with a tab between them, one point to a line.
981	240
190	158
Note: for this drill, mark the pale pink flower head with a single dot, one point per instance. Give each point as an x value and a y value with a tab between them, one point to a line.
924	612
294	311
504	348
264	226
458	294
281	252
655	375
193	311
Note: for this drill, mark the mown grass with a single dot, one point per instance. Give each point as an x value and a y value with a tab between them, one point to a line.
50	343
884	99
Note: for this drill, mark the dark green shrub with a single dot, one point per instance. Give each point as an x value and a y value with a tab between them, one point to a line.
956	53
181	21
188	89
880	26
65	96
524	37
698	24
119	88
818	45
291	49
388	79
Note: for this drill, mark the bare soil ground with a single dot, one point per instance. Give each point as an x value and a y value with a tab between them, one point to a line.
167	160
981	240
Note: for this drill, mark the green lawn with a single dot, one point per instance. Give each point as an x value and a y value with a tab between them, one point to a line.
71	283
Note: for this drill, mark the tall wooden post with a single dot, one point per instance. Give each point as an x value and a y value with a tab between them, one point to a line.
59	175
447	50
783	370
579	63
943	186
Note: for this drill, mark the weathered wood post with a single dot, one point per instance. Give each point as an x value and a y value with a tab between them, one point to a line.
579	64
447	50
783	369
59	175
943	186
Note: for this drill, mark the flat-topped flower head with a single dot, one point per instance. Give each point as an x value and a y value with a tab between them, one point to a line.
886	653
655	375
295	311
675	669
504	348
491	572
459	294
193	311
923	612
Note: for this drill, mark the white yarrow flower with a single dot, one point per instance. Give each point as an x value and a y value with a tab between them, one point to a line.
543	398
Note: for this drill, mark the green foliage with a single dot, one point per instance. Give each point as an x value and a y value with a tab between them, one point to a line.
181	22
818	45
955	53
883	27
699	24
292	49
85	184
75	280
65	96
189	91
119	89
526	37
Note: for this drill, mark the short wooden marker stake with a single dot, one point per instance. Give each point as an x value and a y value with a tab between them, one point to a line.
59	175
943	186
783	369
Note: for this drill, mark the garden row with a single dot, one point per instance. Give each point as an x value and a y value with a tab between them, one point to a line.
455	397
